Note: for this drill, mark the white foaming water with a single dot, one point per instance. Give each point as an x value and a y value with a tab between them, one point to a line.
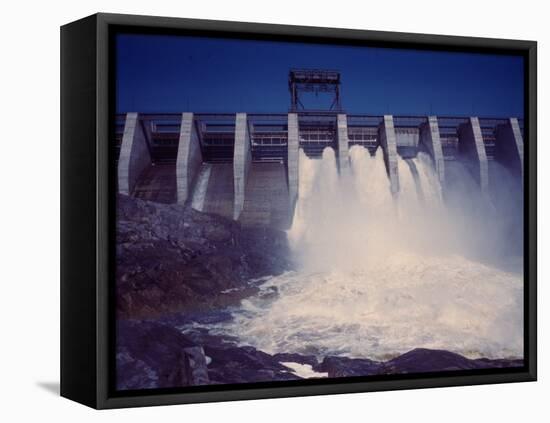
199	193
379	276
304	370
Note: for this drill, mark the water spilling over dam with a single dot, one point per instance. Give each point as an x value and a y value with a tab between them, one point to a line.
355	214
246	166
370	265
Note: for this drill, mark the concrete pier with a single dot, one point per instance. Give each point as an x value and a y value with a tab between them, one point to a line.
241	162
388	142
293	159
431	141
189	160
134	155
472	150
509	146
343	141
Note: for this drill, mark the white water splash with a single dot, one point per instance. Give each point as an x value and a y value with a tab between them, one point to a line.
406	302
304	370
380	276
199	193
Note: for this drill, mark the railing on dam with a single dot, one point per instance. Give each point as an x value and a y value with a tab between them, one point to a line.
488	130
268	137
448	132
269	134
363	130
160	157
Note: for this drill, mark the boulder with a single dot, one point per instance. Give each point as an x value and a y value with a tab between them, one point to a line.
419	360
425	360
346	367
152	355
233	364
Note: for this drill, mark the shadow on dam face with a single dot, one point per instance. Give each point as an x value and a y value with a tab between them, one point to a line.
266	196
219	195
246	167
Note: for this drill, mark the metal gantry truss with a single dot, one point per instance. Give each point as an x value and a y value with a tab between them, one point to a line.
315	81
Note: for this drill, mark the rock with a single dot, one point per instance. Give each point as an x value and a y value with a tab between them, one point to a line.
267	251
133	373
425	360
152	355
485	363
296	358
197	366
217	234
269	293
171	258
346	367
232	364
419	360
157	355
206	317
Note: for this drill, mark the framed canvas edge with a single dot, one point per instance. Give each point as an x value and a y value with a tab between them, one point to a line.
78	203
531	204
105	21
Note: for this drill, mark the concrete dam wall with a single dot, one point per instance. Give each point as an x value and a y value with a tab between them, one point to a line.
246	167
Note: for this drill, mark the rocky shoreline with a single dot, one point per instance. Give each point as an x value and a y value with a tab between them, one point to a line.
170	259
157	355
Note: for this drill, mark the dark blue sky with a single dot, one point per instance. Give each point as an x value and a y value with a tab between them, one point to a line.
175	73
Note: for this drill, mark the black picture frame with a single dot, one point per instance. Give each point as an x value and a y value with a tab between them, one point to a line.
87	210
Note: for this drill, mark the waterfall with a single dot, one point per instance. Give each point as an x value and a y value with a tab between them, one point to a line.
380	275
199	193
361	221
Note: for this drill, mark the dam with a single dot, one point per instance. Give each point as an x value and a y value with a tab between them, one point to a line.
405	231
246	166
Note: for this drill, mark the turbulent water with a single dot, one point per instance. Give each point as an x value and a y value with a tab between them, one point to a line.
199	193
380	276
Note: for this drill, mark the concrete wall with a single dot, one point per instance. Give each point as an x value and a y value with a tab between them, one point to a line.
134	155
266	200
509	146
471	150
431	142
343	149
242	157
388	142
189	159
293	160
157	183
219	196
